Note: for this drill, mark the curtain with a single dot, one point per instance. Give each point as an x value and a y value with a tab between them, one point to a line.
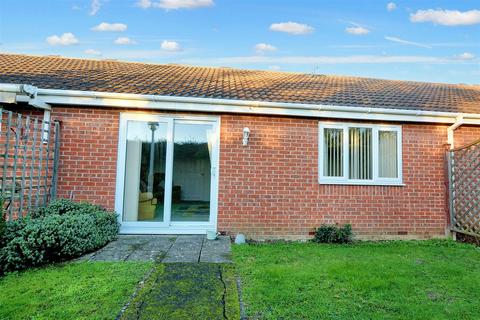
211	140
333	153
360	153
387	154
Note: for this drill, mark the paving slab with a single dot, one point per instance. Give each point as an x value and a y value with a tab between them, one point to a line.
186	248
133	248
164	248
153	249
216	251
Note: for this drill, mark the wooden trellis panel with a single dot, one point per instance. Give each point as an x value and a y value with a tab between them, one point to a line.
29	156
464	184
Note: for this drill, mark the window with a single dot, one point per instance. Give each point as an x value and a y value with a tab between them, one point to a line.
360	154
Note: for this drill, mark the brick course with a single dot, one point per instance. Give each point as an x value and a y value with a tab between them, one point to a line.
270	189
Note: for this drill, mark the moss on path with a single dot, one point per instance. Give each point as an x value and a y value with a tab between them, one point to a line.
187	291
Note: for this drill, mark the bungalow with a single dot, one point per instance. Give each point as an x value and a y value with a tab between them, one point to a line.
181	149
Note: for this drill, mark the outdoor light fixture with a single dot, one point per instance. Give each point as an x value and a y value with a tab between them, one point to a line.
246	135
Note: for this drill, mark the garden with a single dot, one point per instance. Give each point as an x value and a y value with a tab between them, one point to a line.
43	279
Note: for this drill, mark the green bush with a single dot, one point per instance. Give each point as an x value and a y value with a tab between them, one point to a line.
65	206
333	234
60	231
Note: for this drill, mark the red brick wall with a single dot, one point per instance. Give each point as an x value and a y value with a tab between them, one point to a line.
269	189
465	135
88	154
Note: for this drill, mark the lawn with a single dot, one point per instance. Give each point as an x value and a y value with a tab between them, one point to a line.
83	290
383	280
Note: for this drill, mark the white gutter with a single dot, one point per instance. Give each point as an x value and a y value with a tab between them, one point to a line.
29	94
213	105
458	122
25	93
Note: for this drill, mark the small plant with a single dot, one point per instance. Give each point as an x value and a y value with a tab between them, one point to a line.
333	234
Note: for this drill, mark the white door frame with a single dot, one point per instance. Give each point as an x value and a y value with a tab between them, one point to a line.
166	227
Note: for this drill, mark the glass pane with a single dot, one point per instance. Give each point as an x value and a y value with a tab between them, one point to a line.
145	171
192	153
360	153
333	153
387	154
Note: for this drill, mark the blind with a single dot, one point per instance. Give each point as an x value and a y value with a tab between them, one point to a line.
360	153
387	154
333	153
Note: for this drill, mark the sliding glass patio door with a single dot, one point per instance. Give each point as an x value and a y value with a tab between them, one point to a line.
169	174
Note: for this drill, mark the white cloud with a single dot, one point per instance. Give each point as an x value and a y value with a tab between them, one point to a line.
145	4
171	46
95	7
65	39
391	6
274	67
174	4
124	41
357	30
406	42
292	28
105	26
93	52
262	48
446	17
465	56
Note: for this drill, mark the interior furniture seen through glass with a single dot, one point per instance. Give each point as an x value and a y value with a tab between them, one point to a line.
146	171
145	165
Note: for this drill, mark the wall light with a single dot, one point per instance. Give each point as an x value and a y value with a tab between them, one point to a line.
246	135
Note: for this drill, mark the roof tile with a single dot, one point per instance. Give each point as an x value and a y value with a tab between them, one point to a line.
226	83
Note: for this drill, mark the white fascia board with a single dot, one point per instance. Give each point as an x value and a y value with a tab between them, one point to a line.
211	105
244	107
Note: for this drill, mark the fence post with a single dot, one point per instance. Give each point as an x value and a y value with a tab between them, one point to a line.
13	189
5	158
451	192
56	158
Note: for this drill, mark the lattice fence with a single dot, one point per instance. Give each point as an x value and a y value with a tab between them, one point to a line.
29	155
464	184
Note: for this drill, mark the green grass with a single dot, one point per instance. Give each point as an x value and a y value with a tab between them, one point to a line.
386	280
83	290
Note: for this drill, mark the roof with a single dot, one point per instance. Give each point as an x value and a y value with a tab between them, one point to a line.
51	72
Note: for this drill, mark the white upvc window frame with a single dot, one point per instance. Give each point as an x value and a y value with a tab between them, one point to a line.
376	180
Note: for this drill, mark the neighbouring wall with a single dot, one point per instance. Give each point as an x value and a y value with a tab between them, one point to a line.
269	189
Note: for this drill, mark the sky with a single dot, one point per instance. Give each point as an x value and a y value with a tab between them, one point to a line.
422	40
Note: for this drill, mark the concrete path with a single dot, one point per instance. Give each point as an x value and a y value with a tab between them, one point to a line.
179	291
194	281
163	248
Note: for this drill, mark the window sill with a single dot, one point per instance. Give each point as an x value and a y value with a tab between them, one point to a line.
363	183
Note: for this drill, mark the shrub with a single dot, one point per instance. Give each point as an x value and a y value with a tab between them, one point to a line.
65	206
333	234
60	231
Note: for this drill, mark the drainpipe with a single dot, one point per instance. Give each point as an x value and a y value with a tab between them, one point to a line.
458	122
451	141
